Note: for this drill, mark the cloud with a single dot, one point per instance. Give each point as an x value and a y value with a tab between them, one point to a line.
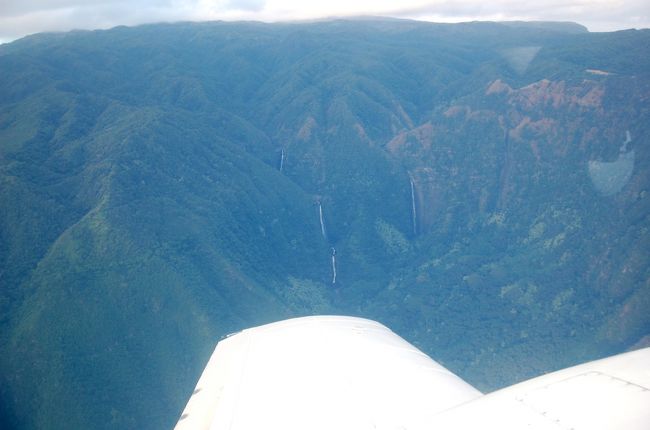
245	5
10	8
62	15
597	15
21	17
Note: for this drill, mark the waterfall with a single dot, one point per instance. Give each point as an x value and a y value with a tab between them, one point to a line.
322	230
628	139
322	224
333	266
282	160
415	224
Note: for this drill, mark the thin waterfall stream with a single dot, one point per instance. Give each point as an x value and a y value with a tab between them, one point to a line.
413	208
333	266
322	222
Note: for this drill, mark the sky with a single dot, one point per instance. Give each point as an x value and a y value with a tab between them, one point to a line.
22	17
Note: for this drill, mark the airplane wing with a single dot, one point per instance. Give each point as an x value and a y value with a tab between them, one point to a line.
335	372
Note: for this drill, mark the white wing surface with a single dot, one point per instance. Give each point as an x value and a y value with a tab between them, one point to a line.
325	372
612	393
334	372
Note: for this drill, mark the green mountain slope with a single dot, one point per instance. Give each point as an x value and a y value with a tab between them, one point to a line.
484	188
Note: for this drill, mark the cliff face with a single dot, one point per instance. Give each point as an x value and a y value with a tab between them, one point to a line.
482	189
551	171
499	146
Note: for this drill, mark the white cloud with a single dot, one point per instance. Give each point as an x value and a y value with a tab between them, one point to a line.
83	16
21	17
597	15
246	5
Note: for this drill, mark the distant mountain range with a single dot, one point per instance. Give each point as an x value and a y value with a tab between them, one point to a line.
480	188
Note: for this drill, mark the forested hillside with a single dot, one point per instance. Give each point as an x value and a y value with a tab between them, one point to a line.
481	189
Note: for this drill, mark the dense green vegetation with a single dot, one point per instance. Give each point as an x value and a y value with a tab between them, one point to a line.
160	188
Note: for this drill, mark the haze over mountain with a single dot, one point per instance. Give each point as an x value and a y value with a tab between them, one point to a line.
481	188
19	18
